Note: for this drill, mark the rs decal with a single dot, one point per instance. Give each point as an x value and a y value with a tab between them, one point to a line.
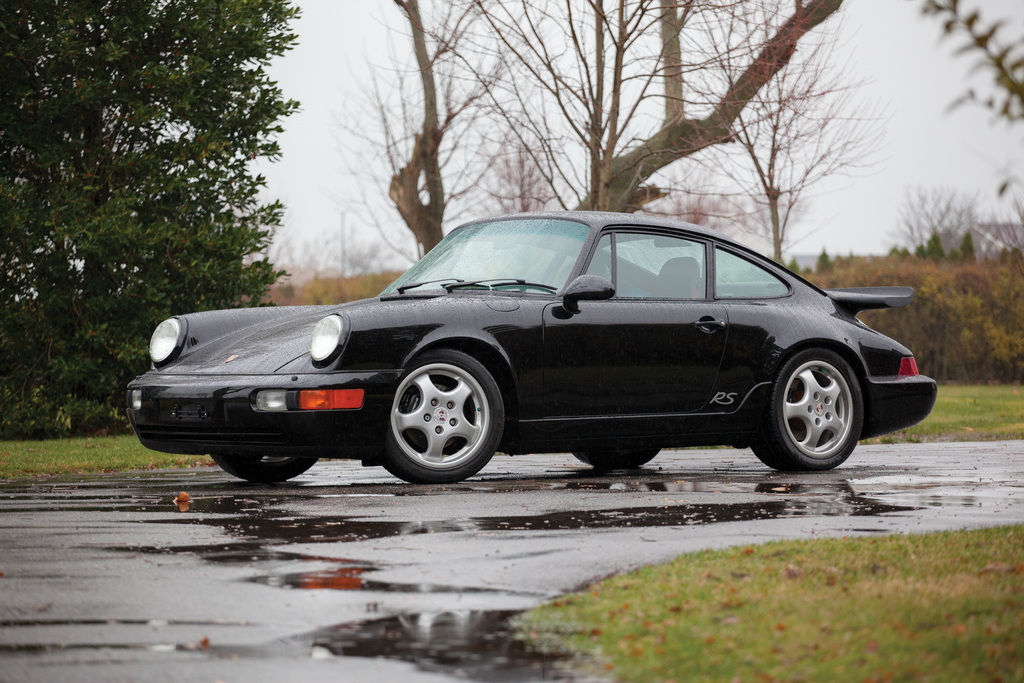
723	398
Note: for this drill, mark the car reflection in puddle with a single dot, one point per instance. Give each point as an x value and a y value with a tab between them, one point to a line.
477	645
251	529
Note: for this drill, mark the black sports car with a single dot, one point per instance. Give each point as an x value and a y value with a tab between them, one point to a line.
606	335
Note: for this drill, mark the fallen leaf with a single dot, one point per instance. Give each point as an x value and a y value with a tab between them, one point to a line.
182	501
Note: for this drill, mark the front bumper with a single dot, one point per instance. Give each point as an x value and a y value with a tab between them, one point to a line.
896	403
200	414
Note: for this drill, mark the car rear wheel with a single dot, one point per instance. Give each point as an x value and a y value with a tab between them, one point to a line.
266	470
617	460
446	420
815	414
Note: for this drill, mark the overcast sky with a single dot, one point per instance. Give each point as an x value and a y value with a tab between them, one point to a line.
897	52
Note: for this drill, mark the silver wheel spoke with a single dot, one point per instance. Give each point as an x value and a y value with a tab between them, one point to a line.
466	429
460	395
413	420
428	391
435	446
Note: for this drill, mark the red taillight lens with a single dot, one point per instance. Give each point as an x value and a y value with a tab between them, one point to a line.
908	367
331	399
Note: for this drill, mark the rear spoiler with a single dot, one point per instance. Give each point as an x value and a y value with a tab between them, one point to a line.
857	299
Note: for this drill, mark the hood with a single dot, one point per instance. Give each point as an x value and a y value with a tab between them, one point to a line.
247	340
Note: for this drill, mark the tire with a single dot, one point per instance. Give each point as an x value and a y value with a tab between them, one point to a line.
265	470
767	456
446	421
617	460
815	414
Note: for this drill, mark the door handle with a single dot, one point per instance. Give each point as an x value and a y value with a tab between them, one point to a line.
709	325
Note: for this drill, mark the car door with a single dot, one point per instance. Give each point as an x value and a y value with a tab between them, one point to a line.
655	348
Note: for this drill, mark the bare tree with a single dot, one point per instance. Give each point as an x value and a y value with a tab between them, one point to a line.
796	130
515	182
940	211
423	128
613	91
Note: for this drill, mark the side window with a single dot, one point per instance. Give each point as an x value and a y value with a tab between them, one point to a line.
656	266
601	263
738	278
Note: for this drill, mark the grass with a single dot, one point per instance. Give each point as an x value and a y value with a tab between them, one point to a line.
81	455
866	609
969	413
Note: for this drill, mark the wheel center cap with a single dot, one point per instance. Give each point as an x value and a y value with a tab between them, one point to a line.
441	415
820	409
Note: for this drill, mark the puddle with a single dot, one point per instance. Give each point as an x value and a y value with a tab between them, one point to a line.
250	530
477	645
933	491
352	578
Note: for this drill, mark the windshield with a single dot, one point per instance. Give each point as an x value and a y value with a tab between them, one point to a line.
539	253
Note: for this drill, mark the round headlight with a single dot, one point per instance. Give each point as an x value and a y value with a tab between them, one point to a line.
326	337
165	340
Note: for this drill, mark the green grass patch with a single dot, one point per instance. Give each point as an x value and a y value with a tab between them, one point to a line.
969	413
946	606
84	455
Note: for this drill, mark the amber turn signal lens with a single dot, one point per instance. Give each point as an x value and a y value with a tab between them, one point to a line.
331	399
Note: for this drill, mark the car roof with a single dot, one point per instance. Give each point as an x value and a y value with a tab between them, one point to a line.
603	219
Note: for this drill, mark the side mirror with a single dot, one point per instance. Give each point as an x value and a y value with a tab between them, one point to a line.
586	288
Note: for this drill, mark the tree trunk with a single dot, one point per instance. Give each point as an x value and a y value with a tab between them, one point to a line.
680	137
423	218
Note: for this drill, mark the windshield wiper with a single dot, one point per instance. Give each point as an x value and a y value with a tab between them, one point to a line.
498	282
405	288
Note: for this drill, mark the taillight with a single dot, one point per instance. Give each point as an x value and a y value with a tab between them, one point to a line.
908	367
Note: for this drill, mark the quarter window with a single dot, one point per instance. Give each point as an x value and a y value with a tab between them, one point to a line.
738	278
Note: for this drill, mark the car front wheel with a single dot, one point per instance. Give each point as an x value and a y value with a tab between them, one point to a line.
266	470
815	414
617	460
446	420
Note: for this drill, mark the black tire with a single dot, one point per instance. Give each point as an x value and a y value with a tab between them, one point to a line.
265	470
446	421
815	413
617	460
767	456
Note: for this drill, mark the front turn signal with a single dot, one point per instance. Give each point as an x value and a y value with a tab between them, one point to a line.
331	399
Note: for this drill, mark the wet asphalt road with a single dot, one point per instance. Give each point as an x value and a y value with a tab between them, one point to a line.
347	574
